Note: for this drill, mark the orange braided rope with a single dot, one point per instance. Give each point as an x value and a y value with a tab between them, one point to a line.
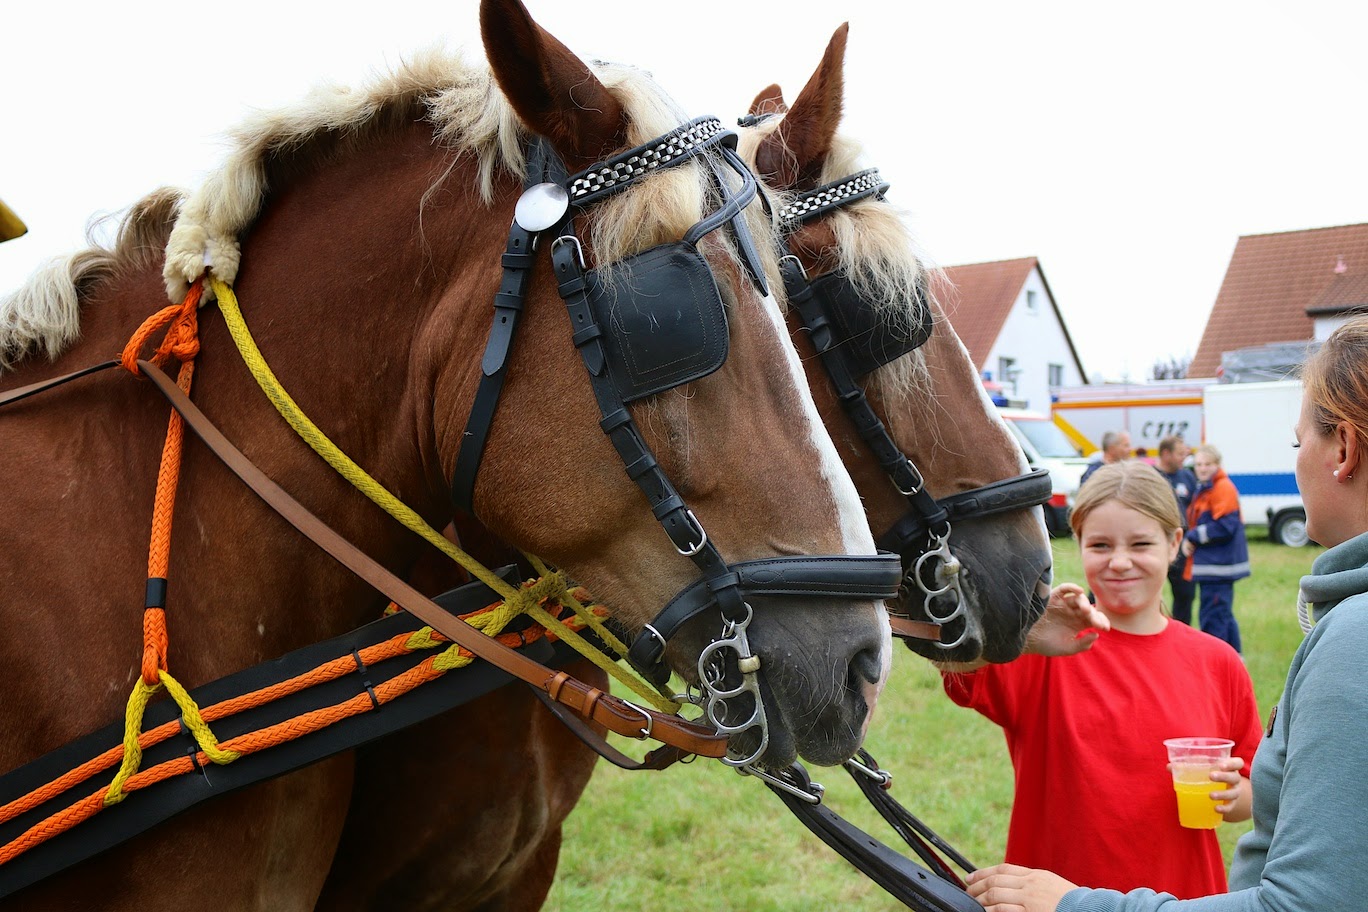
251	742
181	342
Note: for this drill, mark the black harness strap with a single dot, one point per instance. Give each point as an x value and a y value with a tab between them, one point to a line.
910	883
144	808
518	260
851	342
853	400
844	576
1017	493
670	275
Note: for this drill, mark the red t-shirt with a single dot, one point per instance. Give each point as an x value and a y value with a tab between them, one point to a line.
1094	798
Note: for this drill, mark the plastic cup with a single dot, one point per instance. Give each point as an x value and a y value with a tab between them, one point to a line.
1192	760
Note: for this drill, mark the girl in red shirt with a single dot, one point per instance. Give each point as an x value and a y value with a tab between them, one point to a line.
1094	796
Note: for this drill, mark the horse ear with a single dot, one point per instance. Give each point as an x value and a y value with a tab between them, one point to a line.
805	136
769	101
552	90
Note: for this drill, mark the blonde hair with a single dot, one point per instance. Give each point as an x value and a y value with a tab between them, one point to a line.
1136	485
1209	451
1335	379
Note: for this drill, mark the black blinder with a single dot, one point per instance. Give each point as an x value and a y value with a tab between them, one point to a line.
663	320
868	338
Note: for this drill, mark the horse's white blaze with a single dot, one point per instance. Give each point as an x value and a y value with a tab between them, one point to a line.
850	514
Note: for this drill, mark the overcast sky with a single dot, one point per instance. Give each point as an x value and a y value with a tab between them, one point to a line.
1127	146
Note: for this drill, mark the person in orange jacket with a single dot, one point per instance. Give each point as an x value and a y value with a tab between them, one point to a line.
1215	546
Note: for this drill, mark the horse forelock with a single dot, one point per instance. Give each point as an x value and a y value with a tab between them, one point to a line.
43	316
877	252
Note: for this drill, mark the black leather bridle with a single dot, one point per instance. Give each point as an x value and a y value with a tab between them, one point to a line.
853	339
626	363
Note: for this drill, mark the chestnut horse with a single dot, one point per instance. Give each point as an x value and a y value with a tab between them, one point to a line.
362	232
931	399
933	404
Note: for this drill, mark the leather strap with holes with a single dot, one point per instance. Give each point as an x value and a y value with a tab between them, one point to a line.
615	714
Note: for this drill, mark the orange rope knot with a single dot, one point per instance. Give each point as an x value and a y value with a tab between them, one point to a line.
182	334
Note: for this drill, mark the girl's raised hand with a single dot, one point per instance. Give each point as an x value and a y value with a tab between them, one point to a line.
1069	625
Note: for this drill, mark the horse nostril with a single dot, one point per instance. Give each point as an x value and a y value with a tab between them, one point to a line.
865	667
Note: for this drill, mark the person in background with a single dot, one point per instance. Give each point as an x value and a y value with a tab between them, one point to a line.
1215	546
1172	452
1310	776
1116	447
1086	732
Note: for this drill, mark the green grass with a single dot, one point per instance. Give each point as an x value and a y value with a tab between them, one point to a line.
702	837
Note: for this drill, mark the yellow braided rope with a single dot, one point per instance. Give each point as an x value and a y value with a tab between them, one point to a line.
518	599
133	716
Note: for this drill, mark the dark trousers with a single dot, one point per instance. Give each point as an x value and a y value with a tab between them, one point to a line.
1217	612
1183	591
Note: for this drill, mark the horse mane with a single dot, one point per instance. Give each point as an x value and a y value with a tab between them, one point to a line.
44	314
469	115
878	254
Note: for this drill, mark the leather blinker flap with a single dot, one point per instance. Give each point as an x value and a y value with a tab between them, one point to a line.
663	319
868	337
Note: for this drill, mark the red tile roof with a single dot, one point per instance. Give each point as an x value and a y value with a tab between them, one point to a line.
978	298
1271	283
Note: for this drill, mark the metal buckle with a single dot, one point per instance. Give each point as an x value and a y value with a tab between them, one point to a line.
693	549
917	486
571	239
642	734
797	262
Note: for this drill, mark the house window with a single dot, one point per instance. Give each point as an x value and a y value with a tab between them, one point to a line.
1056	374
1031	303
1008	373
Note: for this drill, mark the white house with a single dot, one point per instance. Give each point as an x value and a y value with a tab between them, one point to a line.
1006	316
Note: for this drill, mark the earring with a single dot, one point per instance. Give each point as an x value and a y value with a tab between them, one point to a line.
1335	473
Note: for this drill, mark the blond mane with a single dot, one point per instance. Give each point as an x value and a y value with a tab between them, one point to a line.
877	252
469	115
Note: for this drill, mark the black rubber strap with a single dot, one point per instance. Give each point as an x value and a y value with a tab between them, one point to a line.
921	838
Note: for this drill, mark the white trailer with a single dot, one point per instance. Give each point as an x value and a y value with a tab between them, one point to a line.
1251	424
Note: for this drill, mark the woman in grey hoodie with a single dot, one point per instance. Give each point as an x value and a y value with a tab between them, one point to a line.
1309	846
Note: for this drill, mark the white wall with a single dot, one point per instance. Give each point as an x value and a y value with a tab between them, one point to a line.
1034	339
1324	326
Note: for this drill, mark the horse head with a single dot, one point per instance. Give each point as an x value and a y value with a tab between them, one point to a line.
651	262
959	508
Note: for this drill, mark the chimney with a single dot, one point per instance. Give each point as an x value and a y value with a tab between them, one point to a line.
1340	268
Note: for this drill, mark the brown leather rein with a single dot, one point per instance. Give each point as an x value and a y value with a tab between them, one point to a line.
590	703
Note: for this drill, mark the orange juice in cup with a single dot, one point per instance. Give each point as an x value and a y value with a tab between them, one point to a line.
1192	760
